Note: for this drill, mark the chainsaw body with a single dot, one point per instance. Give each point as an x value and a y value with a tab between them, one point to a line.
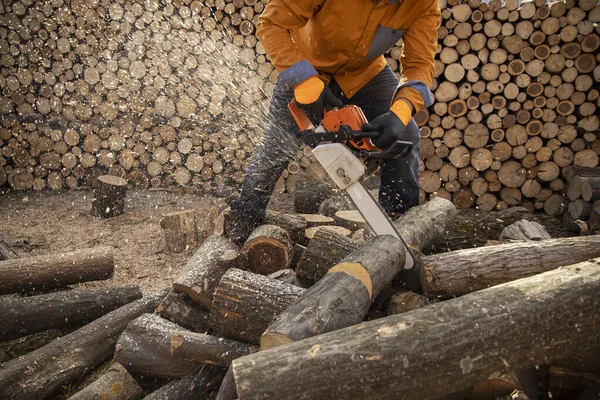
342	148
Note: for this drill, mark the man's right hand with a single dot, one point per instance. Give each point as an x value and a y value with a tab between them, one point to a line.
314	97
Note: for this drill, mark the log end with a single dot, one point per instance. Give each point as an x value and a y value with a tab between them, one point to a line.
269	340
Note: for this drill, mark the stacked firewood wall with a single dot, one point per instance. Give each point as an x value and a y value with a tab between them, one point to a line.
175	93
516	93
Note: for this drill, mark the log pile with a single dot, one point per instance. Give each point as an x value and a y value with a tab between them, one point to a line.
176	94
227	323
516	88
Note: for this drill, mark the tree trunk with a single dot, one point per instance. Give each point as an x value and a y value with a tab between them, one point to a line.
144	349
114	384
245	304
27	315
190	387
206	349
464	271
342	297
391	357
38	374
109	196
202	272
179	309
268	249
56	270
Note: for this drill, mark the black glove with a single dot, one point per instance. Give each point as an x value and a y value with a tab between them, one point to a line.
326	101
390	129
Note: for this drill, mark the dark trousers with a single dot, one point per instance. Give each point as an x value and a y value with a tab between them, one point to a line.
399	186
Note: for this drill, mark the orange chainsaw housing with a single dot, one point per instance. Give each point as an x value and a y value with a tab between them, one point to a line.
350	115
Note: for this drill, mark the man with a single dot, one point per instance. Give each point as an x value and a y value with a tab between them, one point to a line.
330	53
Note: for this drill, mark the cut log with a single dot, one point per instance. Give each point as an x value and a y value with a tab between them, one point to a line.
27	315
309	194
286	275
464	271
401	301
524	231
179	230
314	220
268	249
202	272
342	297
324	250
116	383
43	371
399	360
351	219
56	270
179	309
109	196
590	189
144	349
191	387
580	209
206	349
340	230
246	303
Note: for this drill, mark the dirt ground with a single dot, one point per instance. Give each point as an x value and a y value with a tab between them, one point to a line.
35	223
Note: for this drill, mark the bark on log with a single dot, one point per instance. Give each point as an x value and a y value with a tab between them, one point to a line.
56	270
144	349
324	250
293	224
115	384
179	309
269	248
109	196
190	387
206	349
201	274
342	297
27	315
245	304
397	362
43	371
464	271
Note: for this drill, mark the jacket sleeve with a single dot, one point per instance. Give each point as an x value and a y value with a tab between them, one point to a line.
275	25
418	68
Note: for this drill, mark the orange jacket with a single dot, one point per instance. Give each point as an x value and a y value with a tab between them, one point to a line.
347	39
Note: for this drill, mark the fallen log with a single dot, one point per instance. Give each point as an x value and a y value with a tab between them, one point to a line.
27	315
206	349
56	270
179	309
309	194
144	349
202	272
38	374
190	387
227	389
464	271
391	357
285	276
524	231
114	384
295	225
342	297
268	249
245	304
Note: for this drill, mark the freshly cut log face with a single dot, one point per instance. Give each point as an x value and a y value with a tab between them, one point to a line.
268	249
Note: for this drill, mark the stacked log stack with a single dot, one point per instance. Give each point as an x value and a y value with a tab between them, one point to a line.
175	93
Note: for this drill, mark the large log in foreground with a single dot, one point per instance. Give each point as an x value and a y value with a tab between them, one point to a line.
56	270
464	271
199	277
416	354
38	374
24	316
114	384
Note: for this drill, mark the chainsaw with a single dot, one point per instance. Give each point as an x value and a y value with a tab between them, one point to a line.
344	151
